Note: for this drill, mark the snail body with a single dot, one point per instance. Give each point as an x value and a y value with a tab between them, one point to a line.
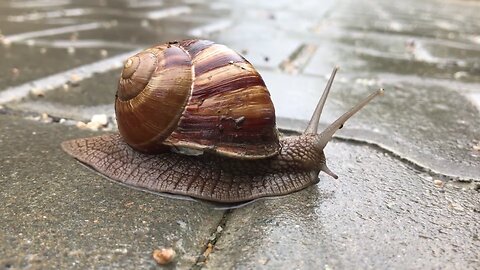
205	97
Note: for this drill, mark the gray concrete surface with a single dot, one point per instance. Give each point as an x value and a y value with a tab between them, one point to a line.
409	164
58	214
380	214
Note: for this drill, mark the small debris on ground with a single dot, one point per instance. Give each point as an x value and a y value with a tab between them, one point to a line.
164	256
38	92
460	74
103	53
71	50
208	250
74	80
45	118
100	119
81	125
15	72
438	183
477	147
5	42
128	204
97	122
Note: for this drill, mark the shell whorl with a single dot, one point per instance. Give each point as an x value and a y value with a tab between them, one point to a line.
152	93
196	94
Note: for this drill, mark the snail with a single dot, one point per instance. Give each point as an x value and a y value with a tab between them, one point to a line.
196	119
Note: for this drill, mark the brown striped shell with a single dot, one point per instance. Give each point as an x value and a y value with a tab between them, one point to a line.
195	94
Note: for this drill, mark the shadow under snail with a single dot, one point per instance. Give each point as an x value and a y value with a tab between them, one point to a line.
195	118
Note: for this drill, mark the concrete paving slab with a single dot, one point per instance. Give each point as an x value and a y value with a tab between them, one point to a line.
367	51
23	63
411	38
58	214
380	214
98	90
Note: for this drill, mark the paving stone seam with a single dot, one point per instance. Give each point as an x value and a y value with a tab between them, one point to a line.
54	31
51	82
456	180
209	247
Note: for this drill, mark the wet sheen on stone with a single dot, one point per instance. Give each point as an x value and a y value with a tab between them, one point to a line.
379	214
56	213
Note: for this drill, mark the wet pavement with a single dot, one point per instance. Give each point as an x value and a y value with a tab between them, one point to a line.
409	163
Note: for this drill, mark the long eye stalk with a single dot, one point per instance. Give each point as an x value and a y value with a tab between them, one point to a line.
327	134
312	127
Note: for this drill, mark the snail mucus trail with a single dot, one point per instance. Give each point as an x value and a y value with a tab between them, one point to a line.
233	167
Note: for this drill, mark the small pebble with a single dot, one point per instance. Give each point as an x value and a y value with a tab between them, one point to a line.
475	39
71	50
92	126
75	79
81	125
460	75
438	183
477	147
5	42
456	206
38	92
103	53
43	50
45	118
15	72
164	256
128	204
263	261
99	119
145	23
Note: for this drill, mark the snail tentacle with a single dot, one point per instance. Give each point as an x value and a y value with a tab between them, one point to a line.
312	127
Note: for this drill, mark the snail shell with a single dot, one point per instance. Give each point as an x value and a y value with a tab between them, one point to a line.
195	94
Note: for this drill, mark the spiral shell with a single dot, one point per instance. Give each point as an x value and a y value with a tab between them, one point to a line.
199	95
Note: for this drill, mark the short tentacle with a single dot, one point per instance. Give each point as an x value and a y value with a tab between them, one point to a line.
325	169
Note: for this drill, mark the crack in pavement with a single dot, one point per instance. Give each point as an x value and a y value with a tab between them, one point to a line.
210	245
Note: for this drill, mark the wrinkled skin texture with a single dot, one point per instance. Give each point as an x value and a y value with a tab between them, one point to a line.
208	177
